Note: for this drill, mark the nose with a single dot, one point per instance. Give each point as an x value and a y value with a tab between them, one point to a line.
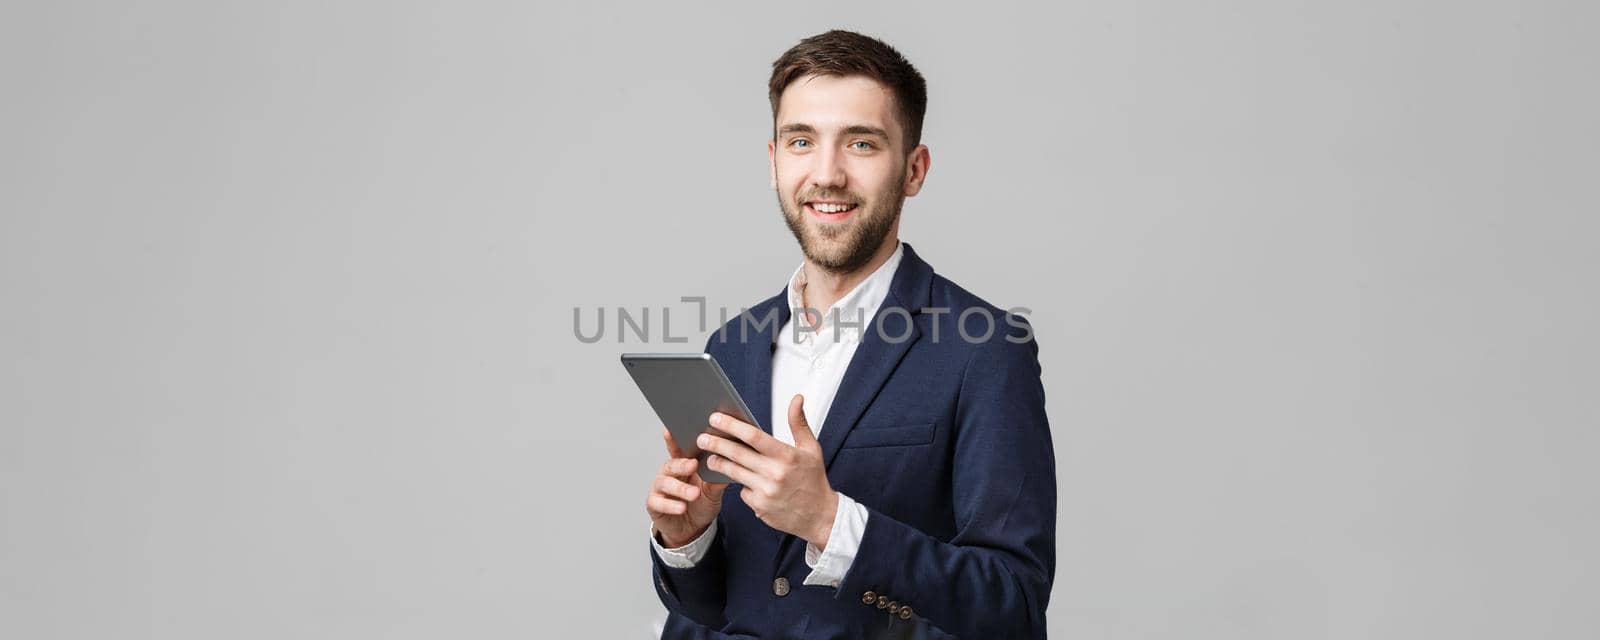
829	171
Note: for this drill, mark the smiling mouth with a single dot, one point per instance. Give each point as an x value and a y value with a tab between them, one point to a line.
831	212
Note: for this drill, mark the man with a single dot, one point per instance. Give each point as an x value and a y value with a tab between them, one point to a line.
902	484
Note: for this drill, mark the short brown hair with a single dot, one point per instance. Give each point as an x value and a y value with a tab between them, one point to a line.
846	53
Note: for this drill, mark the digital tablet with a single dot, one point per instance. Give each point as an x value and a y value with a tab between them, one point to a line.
685	389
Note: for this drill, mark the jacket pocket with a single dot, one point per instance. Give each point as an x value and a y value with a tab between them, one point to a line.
897	435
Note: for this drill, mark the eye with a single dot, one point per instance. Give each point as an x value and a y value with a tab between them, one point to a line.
861	145
800	143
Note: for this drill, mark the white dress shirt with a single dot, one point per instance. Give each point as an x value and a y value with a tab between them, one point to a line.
811	362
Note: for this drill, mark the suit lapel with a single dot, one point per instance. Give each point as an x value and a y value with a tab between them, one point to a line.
890	334
755	386
874	361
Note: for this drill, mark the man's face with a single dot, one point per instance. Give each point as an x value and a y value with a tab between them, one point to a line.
839	170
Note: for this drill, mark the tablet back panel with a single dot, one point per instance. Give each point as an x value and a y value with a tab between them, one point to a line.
684	389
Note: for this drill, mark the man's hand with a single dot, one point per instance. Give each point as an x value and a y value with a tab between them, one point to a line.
787	487
681	505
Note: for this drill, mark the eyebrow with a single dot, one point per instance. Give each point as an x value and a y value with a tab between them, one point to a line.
855	129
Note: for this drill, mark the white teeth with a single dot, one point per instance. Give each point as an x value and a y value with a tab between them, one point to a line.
830	208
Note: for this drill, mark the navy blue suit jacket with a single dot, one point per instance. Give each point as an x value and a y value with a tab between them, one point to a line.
944	441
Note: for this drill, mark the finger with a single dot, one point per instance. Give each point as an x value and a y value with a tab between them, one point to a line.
735	451
712	490
753	498
675	488
733	470
678	467
747	433
798	424
660	505
672	445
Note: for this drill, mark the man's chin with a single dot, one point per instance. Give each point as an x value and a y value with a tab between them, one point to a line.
832	241
830	255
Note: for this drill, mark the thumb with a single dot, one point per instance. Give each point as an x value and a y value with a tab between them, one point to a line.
797	422
713	490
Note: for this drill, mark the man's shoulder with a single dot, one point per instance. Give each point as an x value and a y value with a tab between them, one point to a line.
976	320
945	293
752	323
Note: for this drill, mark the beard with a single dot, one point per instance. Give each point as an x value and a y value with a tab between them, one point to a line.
843	247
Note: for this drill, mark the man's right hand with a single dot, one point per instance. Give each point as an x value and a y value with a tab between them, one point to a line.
681	505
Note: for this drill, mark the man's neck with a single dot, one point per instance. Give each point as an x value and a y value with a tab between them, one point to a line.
824	288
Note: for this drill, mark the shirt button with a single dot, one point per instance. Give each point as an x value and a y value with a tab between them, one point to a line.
780	587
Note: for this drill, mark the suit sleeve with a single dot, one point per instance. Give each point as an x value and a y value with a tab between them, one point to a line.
992	579
699	593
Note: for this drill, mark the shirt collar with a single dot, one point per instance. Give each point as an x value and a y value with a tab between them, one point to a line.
861	302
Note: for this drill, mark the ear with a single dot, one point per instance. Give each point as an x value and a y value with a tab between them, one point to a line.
772	164
917	169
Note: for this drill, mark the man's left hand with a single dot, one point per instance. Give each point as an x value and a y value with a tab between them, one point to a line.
786	486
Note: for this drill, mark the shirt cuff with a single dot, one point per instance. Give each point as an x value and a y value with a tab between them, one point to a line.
829	565
686	556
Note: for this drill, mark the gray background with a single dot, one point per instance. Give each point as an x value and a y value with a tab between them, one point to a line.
286	347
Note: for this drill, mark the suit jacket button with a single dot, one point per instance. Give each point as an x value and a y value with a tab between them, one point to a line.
905	612
780	587
883	602
894	607
869	597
